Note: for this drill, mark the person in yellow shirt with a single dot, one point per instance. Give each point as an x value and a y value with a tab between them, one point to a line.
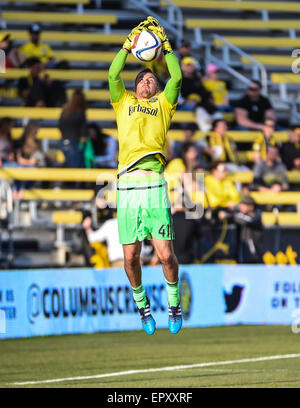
222	148
35	49
143	206
218	88
263	140
220	192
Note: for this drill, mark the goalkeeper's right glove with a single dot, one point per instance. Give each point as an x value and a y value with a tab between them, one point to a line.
138	29
155	26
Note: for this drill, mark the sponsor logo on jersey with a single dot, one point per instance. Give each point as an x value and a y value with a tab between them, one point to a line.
142	109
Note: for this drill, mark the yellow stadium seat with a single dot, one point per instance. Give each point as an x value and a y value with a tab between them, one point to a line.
272	60
67	217
70	75
66	37
51	1
259	42
228	24
283	218
92	175
58	174
92	114
58	194
73	18
90	56
284	198
237	5
279	78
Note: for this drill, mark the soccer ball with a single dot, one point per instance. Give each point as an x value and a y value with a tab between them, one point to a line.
146	46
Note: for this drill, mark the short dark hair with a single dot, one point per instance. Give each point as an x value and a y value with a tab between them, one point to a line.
214	165
257	82
216	121
141	75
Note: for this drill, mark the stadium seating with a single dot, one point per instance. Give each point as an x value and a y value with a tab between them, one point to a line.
270	60
56	2
173	134
90	56
273	6
259	42
58	194
65	18
69	75
70	37
282	218
242	24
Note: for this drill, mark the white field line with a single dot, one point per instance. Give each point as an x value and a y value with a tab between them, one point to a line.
154	370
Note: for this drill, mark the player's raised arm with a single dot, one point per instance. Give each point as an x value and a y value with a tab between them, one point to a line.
172	89
115	82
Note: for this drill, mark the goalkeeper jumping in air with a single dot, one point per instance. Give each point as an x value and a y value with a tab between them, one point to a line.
143	205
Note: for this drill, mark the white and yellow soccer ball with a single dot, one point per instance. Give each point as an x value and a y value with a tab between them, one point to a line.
146	46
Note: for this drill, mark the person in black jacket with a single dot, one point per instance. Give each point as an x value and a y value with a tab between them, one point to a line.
73	128
249	231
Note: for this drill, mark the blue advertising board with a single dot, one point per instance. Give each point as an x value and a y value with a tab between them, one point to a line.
65	301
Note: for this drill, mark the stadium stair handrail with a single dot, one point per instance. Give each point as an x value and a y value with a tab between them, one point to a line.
258	67
175	22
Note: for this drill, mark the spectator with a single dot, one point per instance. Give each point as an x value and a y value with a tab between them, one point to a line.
265	139
218	88
188	160
12	57
221	193
253	108
206	112
192	90
248	220
30	152
73	127
184	50
290	151
108	232
249	234
219	146
176	146
34	49
187	233
100	150
32	89
7	154
270	175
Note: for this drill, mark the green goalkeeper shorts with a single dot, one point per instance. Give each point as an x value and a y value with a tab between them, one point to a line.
143	208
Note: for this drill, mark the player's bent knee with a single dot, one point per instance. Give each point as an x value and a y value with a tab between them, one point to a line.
132	259
168	258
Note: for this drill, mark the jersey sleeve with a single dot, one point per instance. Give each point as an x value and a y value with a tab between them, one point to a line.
172	89
115	82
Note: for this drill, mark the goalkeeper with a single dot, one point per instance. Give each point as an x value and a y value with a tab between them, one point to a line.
143	205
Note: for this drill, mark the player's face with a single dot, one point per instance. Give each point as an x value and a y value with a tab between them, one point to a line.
147	87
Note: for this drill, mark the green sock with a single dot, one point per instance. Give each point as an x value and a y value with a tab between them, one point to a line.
139	296
173	293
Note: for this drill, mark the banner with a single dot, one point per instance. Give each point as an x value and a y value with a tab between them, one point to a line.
65	301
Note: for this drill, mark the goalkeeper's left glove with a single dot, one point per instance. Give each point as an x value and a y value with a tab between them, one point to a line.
155	26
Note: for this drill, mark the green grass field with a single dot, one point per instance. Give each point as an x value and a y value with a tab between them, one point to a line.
65	357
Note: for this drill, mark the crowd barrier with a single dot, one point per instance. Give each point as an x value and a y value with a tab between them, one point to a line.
68	301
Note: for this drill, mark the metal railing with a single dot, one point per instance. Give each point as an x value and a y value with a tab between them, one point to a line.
258	72
175	22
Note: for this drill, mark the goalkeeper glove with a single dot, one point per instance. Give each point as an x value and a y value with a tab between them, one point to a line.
138	29
155	26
